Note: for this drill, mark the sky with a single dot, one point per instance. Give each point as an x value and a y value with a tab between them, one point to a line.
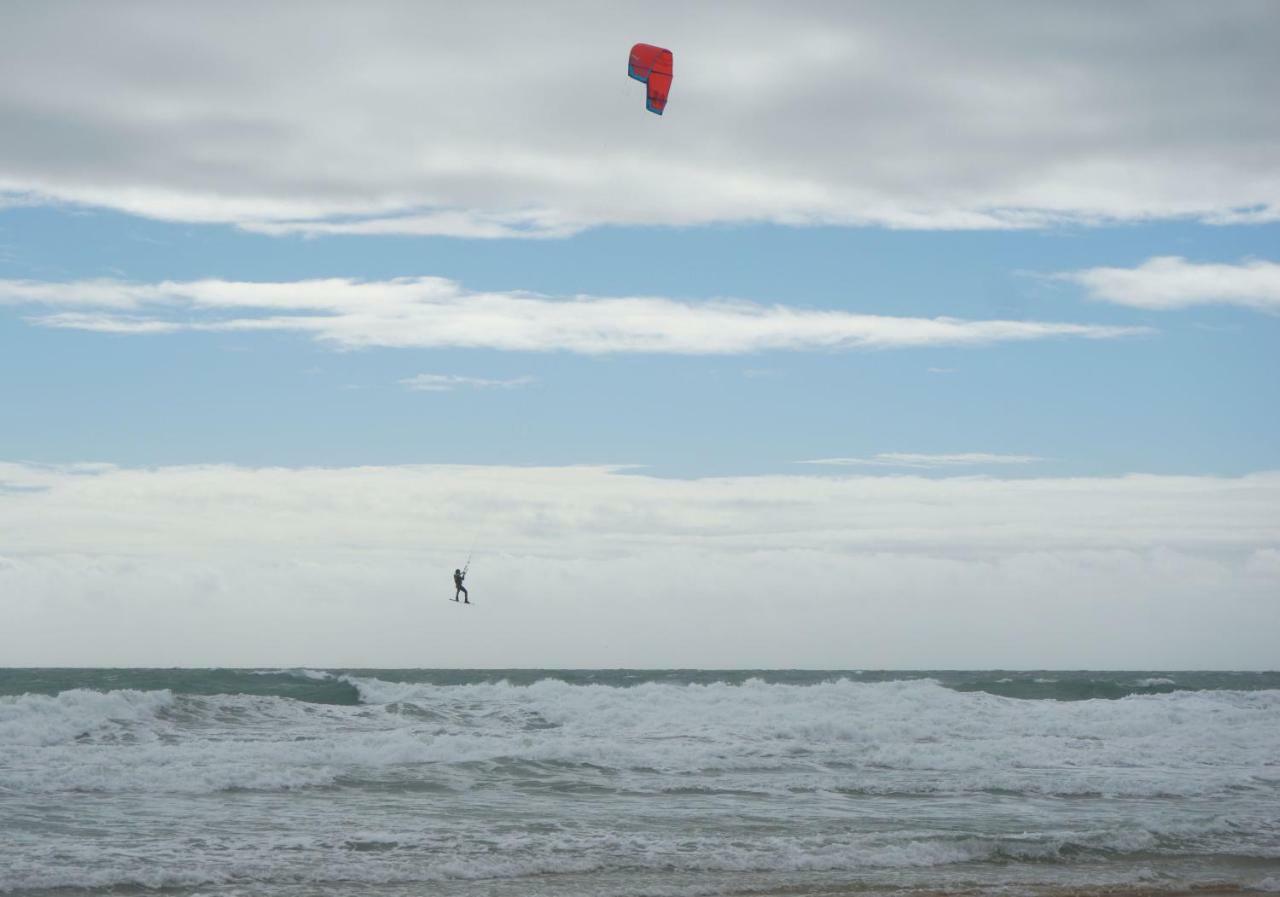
911	335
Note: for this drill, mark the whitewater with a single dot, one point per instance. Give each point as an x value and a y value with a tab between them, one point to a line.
628	783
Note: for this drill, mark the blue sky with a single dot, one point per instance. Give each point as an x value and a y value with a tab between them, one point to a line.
1189	398
954	326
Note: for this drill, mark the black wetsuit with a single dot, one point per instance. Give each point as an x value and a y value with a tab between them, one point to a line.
462	590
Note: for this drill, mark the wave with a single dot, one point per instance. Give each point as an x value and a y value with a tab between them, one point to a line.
311	686
910	737
79	713
377	856
663	781
335	686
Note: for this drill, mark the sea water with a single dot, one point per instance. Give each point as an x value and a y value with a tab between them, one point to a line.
421	782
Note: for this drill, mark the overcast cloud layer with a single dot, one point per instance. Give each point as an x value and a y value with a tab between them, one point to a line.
493	120
595	567
428	312
927	461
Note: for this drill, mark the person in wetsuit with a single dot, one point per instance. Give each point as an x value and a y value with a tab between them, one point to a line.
458	577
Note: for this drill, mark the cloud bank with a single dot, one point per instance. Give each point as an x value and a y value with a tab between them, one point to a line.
916	459
1170	282
432	312
593	567
399	117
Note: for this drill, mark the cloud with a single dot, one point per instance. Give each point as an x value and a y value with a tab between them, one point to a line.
435	312
9	200
999	114
450	382
456	223
912	459
104	323
1170	282
590	566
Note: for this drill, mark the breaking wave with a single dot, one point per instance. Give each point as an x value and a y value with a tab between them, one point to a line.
494	779
903	737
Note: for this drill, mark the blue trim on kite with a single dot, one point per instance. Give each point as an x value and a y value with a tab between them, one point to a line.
643	79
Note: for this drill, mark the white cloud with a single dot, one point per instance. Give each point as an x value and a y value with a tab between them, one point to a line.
1171	282
449	382
104	323
435	312
587	566
458	223
915	459
994	114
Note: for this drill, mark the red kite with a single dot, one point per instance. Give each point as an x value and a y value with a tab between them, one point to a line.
653	66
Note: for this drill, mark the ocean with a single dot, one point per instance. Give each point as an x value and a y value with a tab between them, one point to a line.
523	783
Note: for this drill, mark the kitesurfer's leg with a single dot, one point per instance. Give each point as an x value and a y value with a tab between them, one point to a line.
466	597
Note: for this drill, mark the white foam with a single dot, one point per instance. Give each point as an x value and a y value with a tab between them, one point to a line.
978	739
416	777
297	672
371	856
44	720
843	737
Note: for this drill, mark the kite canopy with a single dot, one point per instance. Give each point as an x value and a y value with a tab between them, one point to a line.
654	66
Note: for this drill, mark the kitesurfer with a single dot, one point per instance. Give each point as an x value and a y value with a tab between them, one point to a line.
458	577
